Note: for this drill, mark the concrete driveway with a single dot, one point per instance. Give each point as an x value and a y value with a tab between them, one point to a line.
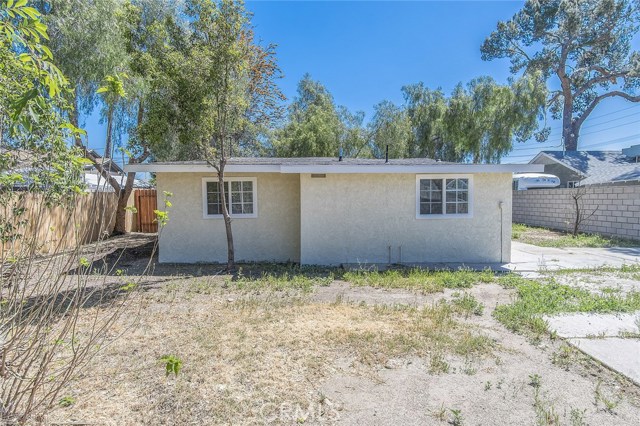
527	258
601	336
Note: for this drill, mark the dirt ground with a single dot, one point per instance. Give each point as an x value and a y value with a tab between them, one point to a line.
337	354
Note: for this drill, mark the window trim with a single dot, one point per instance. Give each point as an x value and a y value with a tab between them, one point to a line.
205	213
445	215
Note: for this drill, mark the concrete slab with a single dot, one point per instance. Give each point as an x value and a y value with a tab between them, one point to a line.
589	325
527	258
621	355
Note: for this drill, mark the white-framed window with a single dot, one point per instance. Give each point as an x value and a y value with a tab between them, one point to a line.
241	197
444	196
573	183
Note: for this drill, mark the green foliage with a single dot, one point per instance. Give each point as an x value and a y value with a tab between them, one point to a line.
172	364
66	401
535	381
427	281
390	126
467	304
87	43
162	217
585	44
33	130
548	298
113	88
214	86
476	123
546	238
457	419
316	127
280	281
129	287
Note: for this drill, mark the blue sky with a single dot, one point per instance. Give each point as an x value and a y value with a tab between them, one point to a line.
365	51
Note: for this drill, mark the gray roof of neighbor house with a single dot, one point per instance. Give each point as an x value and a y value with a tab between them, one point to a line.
332	165
597	167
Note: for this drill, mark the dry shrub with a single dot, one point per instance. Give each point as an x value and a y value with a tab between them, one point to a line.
55	312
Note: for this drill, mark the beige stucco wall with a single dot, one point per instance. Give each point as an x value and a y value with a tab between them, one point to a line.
354	218
273	236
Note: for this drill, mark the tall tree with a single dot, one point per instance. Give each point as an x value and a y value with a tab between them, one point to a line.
218	86
478	122
426	109
112	93
313	127
33	128
148	27
94	43
87	39
316	127
586	44
484	119
87	42
390	127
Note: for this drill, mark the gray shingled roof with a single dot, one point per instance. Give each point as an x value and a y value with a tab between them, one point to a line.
316	161
599	166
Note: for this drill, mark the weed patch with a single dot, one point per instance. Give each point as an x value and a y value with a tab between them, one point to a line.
535	299
426	281
548	238
297	280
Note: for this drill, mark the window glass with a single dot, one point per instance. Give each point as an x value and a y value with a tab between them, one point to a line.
457	196
444	196
239	197
431	196
214	206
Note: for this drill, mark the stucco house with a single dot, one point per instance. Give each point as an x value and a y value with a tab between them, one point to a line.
328	211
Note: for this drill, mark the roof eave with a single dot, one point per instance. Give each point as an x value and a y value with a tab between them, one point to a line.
562	163
338	168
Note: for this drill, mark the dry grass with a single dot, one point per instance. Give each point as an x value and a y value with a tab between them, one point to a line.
240	352
549	238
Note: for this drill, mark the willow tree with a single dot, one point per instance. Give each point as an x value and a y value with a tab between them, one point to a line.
313	127
484	119
390	127
478	122
585	44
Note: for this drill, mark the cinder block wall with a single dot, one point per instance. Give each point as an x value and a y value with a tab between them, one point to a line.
617	209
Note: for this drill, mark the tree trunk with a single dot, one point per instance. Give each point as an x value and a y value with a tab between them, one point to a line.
570	129
570	135
73	118
107	146
123	197
121	209
227	220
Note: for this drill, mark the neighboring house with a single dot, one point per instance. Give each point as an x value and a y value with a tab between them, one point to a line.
91	177
591	167
95	182
330	212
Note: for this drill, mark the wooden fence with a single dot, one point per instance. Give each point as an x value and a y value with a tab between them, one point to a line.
146	201
89	217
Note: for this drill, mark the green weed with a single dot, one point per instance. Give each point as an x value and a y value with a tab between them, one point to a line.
545	238
535	299
467	305
427	281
